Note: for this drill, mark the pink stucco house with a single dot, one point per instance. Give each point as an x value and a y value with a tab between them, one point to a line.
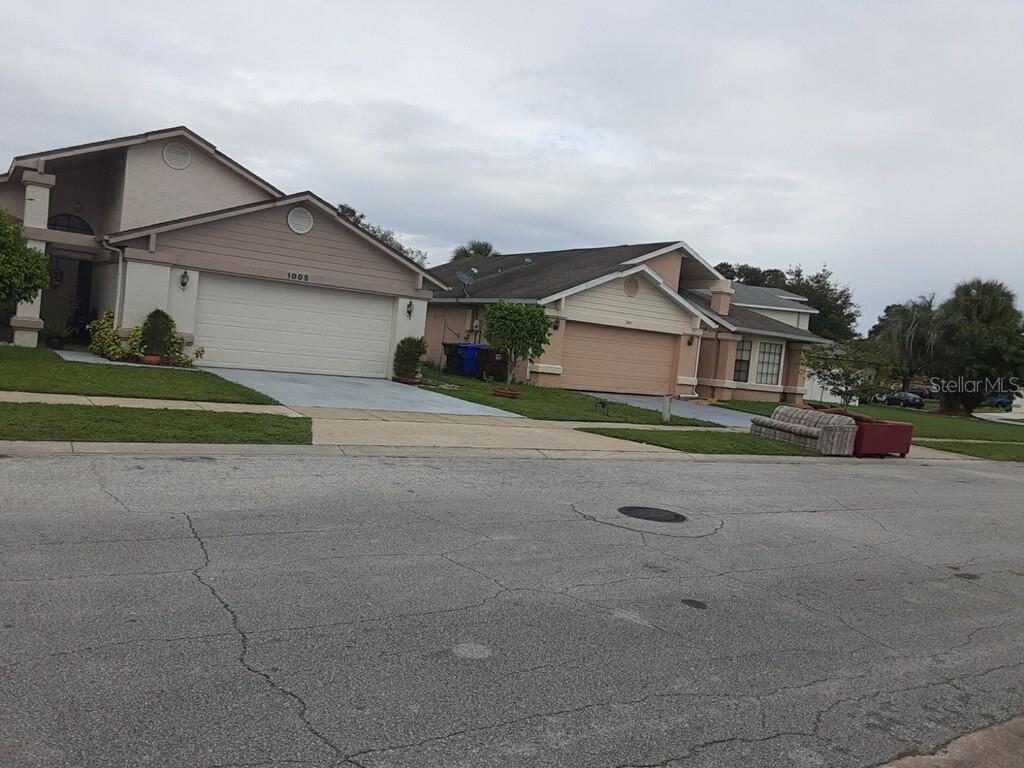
652	318
259	278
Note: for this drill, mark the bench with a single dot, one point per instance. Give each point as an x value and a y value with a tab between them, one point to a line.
830	434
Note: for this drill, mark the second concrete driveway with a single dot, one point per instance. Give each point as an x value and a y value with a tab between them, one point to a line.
307	389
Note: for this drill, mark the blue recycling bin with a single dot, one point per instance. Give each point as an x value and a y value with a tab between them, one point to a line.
470	360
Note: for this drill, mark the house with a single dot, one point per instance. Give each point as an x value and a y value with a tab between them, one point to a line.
653	318
258	278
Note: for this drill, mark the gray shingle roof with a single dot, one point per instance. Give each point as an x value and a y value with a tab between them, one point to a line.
769	297
536	275
748	320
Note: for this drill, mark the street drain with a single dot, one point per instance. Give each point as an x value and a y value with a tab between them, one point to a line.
700	605
653	514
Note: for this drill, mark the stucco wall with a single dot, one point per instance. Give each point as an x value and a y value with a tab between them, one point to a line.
260	244
446	323
88	189
12	199
145	289
403	324
668	266
155	192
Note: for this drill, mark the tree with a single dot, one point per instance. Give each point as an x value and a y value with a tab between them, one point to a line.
473	249
847	370
980	345
517	331
382	233
837	311
748	274
907	334
24	271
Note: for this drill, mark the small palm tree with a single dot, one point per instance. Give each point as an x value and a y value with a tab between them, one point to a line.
474	248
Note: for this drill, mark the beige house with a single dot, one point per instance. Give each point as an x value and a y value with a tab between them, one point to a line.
653	318
258	278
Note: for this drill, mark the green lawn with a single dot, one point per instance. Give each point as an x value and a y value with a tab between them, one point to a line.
38	421
698	441
925	424
42	370
996	451
551	404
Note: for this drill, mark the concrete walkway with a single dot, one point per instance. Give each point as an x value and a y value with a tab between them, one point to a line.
725	417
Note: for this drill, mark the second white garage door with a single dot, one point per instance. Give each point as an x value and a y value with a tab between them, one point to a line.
244	323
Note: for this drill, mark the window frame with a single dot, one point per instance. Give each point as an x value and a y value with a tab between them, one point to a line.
748	346
768	361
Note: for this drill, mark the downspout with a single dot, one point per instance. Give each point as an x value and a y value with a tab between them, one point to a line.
118	291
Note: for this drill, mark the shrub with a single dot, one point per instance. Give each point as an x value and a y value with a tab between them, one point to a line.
103	339
24	271
157	332
517	331
407	356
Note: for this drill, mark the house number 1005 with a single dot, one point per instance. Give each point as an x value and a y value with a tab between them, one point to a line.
299	276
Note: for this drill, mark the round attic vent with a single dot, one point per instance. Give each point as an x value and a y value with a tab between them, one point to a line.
177	155
630	286
300	220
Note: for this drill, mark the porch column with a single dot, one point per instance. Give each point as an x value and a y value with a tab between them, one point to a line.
26	321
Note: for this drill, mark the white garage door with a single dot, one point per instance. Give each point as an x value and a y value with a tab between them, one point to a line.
270	326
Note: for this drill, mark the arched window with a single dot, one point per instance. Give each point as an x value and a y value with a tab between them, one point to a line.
68	222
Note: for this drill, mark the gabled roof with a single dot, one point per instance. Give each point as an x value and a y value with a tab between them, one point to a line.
179	131
238	210
537	275
743	320
763	297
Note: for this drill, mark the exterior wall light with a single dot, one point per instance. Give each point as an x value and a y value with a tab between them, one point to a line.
689	341
408	309
183	280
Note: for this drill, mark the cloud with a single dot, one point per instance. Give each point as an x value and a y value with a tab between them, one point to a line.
883	139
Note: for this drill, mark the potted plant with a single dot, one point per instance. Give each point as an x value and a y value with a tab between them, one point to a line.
515	332
407	359
56	336
157	334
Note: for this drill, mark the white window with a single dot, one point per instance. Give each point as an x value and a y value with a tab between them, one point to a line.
769	363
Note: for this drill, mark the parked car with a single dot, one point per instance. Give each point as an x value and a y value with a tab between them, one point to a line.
922	391
1001	400
905	400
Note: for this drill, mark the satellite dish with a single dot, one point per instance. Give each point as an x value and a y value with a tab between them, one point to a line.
464	277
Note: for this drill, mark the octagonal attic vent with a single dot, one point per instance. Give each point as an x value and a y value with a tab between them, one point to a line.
177	155
300	220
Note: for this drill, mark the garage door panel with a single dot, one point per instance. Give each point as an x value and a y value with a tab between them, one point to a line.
610	359
248	323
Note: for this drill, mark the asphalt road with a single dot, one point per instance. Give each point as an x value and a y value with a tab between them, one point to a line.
312	611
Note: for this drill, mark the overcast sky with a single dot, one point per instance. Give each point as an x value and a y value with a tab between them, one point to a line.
885	139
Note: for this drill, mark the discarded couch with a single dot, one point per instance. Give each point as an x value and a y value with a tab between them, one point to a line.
830	434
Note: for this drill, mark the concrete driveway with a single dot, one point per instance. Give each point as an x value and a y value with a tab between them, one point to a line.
307	389
312	612
725	417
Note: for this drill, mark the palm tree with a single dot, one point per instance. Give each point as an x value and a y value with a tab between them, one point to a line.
474	248
908	333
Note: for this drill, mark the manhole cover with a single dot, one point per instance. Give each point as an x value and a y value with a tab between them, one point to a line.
653	514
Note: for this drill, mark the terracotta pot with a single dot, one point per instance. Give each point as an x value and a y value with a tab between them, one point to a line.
151	359
406	380
504	391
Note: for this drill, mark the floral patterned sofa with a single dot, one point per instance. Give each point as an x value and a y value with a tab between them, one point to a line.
830	434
